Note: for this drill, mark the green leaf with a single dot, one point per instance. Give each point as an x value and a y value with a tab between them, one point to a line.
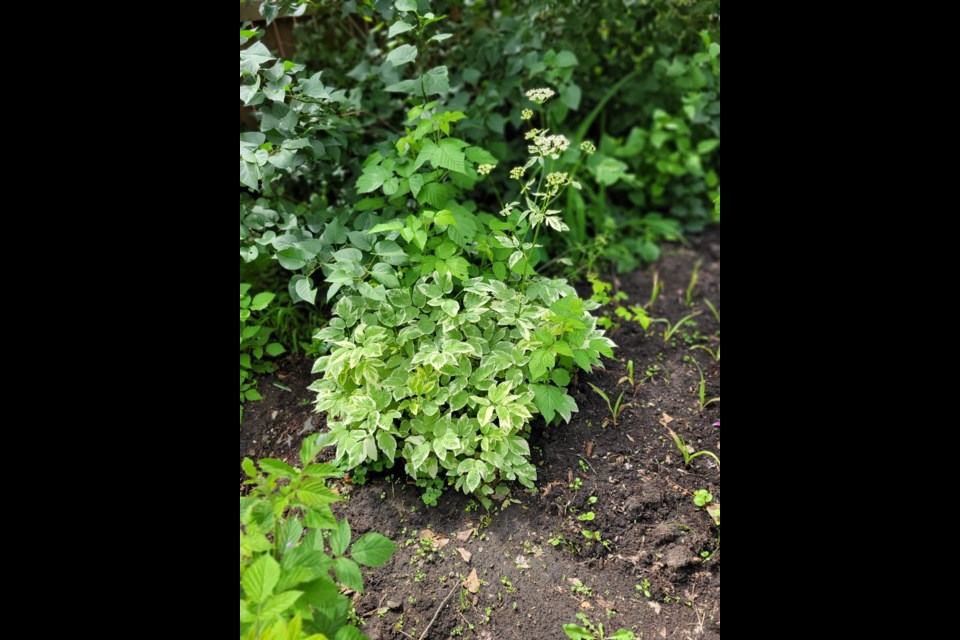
706	146
387	444
311	447
385	275
340	538
552	401
390	252
248	468
436	82
373	550
541	362
402	55
399	27
574	632
473	480
560	377
277	468
278	605
348	573
566	59
416	183
275	349
450	307
571	96
609	171
434	194
372	179
292	258
406	5
261	300
304	288
480	156
260	578
445	250
315	493
459	267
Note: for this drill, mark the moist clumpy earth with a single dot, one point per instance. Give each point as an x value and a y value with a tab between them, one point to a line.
529	562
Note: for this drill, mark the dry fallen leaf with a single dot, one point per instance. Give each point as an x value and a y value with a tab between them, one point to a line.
472	583
574	581
590	446
463	536
606	604
663	632
440	543
586	606
426	534
655	606
466	555
522	563
665	420
629	437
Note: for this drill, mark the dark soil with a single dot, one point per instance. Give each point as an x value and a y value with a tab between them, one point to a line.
644	506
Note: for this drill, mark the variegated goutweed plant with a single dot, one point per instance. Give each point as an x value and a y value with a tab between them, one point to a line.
445	342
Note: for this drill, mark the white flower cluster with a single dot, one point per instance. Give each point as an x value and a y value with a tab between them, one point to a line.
588	148
517	173
549	146
526	114
540	95
485	169
556	179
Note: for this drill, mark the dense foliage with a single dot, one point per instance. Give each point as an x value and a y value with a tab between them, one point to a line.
290	542
431	175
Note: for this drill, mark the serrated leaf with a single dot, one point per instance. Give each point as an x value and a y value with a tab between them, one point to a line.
552	401
541	361
315	493
402	55
260	578
277	468
340	538
372	179
373	550
434	194
278	605
348	573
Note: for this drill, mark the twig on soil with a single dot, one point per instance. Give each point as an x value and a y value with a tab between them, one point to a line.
439	609
406	634
373	611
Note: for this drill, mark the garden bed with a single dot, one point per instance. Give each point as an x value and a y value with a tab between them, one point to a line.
536	569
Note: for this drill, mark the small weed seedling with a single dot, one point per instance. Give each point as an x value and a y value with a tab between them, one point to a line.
716	314
687	456
629	377
704	499
588	631
644	588
704	403
577	484
656	290
694	278
589	516
671	329
583	466
615	409
713	354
